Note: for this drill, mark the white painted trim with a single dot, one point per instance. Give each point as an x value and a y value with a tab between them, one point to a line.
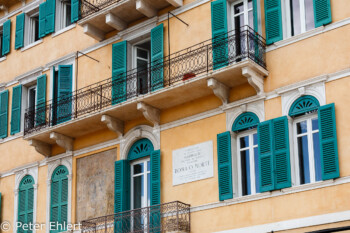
3	58
96	147
25	8
29	76
65	29
52	165
32	45
61	60
12	137
13	82
32	170
295	223
308	34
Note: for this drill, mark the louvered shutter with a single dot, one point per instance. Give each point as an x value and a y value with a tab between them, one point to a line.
281	153
50	16
6	37
328	142
25	202
19	37
42	19
75	10
55	193
64	104
224	166
255	15
155	192
157	54
40	108
121	194
273	21
265	156
16	109
219	33
22	208
119	69
3	113
322	12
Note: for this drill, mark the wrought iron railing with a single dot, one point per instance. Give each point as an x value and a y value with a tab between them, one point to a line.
204	57
169	217
88	7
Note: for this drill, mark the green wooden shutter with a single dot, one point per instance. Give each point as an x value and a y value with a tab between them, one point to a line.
6	37
328	142
42	19
59	198
40	105
119	69
19	39
273	21
281	152
16	109
157	54
3	113
224	165
155	216
64	108
265	156
219	33
75	10
322	12
255	15
121	194
50	16
25	201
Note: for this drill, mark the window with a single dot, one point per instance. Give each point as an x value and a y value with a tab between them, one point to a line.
247	155
141	57
140	183
242	14
31	28
31	102
307	148
63	14
301	16
1	38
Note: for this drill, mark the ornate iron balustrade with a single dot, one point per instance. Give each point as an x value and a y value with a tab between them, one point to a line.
169	217
88	7
202	58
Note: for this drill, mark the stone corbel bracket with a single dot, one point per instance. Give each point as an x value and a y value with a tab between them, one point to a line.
113	124
220	90
41	147
63	141
115	22
175	3
254	79
94	32
150	113
145	8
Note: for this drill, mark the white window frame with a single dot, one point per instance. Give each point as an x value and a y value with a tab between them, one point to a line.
245	12
286	18
29	28
145	173
245	133
61	14
307	117
134	51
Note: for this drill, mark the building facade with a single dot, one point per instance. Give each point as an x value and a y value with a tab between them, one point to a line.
174	115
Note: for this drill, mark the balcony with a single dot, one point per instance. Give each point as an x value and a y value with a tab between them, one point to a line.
169	217
99	17
211	66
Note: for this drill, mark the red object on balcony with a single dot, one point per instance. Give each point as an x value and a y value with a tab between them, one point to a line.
188	76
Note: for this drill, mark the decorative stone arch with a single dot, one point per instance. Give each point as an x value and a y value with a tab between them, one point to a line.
306	103
256	107
244	121
31	170
316	90
142	131
52	165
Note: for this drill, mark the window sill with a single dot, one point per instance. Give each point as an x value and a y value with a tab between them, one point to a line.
12	137
64	30
32	45
3	58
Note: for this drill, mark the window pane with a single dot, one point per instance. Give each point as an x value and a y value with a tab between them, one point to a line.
138	168
148	166
245	166
238	8
148	189
315	124
303	153
309	15
251	19
68	15
239	21
317	155
301	127
255	139
36	28
31	98
250	4
244	142
295	17
138	191
142	53
256	168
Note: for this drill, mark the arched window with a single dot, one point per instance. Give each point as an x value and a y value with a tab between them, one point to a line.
306	139
247	153
59	199
25	201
